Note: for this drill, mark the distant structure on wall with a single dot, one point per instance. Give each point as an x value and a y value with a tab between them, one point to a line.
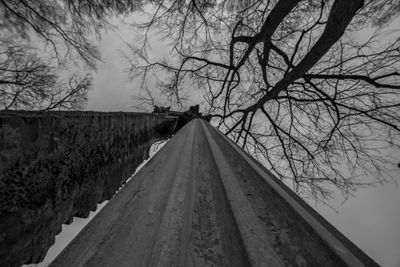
183	117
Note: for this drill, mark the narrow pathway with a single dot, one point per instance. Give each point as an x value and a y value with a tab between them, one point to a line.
202	201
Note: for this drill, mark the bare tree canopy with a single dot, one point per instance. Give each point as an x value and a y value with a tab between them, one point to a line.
29	79
65	25
289	81
29	83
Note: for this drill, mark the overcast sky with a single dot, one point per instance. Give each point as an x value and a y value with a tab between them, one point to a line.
371	219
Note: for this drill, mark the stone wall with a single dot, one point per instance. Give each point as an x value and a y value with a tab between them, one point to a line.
57	165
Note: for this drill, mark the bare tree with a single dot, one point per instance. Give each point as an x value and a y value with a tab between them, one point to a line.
146	102
68	95
289	82
27	82
65	25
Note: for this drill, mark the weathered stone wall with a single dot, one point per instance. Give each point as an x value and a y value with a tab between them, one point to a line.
57	165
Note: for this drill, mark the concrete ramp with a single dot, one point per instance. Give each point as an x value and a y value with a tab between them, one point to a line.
202	201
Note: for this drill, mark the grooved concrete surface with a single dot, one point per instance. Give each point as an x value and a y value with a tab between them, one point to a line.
202	201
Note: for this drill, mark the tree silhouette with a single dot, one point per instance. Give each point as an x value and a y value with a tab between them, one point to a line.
29	83
289	82
29	78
